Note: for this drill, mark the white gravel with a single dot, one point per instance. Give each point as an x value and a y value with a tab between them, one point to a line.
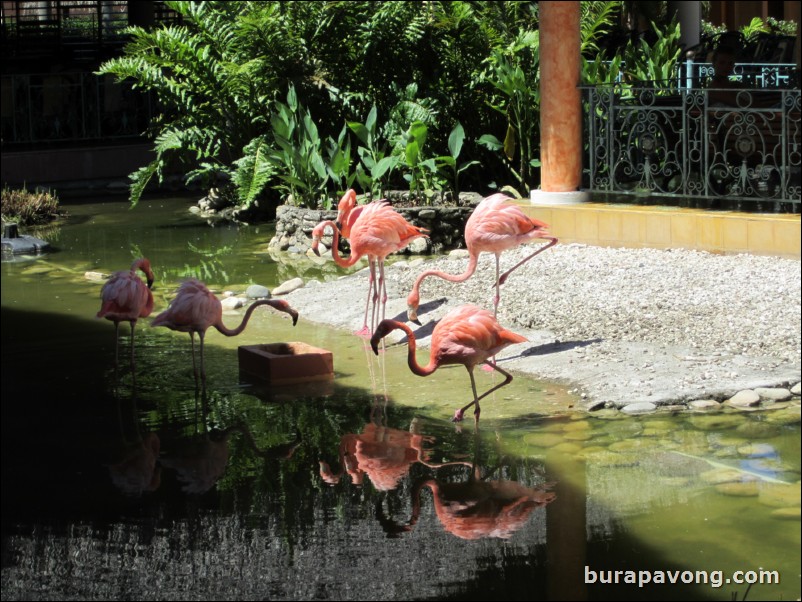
621	325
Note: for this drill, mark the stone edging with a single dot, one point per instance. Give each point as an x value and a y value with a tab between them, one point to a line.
445	224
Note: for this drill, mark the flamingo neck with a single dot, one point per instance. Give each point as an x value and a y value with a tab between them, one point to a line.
335	254
469	270
143	265
412	360
235	331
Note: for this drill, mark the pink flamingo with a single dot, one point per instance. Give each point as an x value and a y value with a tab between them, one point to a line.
195	309
467	335
377	231
125	297
495	226
477	508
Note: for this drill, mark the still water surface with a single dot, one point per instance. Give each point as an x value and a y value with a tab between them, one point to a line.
356	488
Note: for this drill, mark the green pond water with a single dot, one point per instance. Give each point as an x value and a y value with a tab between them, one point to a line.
357	487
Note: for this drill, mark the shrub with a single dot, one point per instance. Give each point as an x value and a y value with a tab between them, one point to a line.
29	208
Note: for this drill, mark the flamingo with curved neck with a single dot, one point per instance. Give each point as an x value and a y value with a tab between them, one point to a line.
196	308
467	335
377	231
494	226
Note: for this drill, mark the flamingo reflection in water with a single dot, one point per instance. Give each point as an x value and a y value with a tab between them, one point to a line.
136	469
201	460
477	508
385	454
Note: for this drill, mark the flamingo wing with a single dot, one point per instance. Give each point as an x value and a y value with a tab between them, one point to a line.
497	225
381	230
125	297
194	308
470	335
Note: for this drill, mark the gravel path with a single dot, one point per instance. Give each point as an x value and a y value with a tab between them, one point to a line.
622	326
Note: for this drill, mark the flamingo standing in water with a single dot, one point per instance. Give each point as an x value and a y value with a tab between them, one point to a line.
495	226
467	335
125	297
195	309
377	231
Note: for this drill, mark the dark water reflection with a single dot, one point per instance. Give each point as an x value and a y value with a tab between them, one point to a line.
356	488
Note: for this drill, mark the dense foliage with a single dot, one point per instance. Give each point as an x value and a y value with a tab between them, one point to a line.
301	100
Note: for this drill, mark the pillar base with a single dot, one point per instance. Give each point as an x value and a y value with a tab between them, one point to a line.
572	197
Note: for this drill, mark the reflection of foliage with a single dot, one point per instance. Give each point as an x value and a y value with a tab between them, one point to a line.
206	270
209	268
50	232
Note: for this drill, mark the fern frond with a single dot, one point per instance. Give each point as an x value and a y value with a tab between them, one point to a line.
253	170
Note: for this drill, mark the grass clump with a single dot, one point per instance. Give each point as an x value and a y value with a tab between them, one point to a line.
29	208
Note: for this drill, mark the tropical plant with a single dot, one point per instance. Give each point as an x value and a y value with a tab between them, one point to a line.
449	163
654	64
421	173
297	157
514	72
211	95
375	160
782	28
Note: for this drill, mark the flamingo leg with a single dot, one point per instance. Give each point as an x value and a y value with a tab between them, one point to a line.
377	284
133	360
116	340
507	380
202	364
371	288
382	292
500	281
497	298
194	365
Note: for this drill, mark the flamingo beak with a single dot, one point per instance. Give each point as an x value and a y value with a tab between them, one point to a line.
294	318
412	315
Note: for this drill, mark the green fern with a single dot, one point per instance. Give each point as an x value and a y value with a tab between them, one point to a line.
253	170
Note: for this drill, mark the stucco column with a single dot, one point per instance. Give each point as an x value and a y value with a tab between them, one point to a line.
560	106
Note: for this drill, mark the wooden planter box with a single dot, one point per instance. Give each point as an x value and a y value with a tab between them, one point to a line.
286	363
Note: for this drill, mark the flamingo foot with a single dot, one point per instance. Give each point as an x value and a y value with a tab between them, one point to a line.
363	332
458	415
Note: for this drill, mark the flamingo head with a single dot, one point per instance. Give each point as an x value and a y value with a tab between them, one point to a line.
317	234
382	330
344	207
282	305
542	230
144	265
413	301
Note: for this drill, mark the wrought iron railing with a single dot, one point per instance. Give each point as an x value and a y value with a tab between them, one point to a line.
71	107
691	74
658	142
